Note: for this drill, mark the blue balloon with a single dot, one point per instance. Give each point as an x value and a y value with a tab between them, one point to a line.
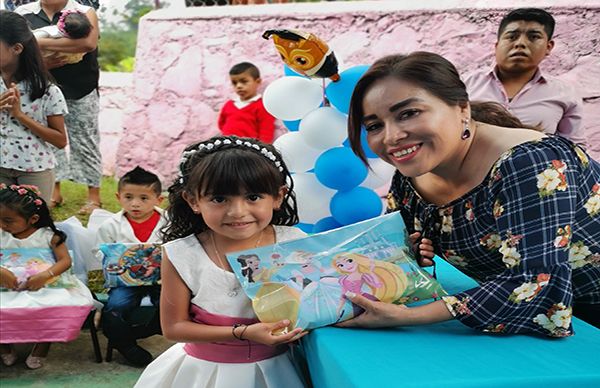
339	93
338	168
306	228
358	204
363	142
325	224
292	125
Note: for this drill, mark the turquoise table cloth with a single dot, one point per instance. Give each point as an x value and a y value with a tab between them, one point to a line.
449	354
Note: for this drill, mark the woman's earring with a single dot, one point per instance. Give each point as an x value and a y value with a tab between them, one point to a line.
466	133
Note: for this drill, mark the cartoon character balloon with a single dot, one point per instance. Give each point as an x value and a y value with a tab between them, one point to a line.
305	53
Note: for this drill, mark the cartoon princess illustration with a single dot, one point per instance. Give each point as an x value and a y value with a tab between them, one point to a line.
252	270
386	281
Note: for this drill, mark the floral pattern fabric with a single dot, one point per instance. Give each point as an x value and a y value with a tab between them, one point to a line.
20	149
529	234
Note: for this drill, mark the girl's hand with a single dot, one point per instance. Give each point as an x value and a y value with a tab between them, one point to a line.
8	279
15	108
7	100
37	281
263	333
377	314
424	249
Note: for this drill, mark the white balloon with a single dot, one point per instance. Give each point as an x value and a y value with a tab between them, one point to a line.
312	197
291	98
324	128
297	155
380	174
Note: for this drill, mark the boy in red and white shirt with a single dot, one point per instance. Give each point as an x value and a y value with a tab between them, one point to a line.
246	115
140	221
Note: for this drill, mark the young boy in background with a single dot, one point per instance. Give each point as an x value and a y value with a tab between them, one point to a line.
246	116
140	221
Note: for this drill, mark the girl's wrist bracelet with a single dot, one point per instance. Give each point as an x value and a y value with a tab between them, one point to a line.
235	327
50	272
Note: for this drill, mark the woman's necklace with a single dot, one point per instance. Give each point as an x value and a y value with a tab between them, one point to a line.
236	289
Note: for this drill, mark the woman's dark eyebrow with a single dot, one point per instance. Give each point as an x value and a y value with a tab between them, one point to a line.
404	103
394	107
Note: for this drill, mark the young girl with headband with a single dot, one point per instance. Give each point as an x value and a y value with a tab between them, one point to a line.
53	314
233	194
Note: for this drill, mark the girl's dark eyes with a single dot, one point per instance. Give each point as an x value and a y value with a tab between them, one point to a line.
217	199
253	197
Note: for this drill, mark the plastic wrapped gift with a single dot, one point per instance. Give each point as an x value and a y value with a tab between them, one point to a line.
26	262
305	280
131	264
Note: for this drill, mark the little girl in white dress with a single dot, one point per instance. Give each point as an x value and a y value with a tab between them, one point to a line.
232	195
29	311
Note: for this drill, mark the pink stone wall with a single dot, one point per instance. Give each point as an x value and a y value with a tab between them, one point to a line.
183	57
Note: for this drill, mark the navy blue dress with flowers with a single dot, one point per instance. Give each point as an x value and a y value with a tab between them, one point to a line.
529	234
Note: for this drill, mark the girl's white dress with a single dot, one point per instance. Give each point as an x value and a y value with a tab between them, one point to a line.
45	315
218	292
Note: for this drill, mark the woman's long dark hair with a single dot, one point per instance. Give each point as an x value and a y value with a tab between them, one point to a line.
27	204
431	72
15	30
227	168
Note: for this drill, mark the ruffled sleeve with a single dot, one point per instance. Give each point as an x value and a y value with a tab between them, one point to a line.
533	200
54	102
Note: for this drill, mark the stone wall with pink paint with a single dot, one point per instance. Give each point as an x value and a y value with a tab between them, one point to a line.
183	57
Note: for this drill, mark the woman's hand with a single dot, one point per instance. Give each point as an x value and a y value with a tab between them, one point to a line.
377	314
264	333
423	249
37	281
55	60
8	279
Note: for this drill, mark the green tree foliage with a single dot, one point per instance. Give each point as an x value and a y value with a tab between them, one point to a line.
116	47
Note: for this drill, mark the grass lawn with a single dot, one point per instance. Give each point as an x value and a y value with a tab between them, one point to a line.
75	196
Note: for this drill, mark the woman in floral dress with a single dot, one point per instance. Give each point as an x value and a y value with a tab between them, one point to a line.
516	210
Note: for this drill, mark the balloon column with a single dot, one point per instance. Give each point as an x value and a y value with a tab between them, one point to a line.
333	187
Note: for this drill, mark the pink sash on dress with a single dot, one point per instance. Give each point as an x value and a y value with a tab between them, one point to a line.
230	351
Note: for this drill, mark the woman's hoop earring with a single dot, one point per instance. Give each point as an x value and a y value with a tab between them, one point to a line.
466	133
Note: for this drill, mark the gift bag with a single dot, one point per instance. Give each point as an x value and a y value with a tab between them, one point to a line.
26	262
305	280
131	264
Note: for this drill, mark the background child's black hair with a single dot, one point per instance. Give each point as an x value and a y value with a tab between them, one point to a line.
26	207
139	176
77	25
245	66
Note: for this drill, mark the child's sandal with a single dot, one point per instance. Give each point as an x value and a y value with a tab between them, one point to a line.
9	359
89	207
34	362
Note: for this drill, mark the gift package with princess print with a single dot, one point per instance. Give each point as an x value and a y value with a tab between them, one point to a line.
26	262
305	280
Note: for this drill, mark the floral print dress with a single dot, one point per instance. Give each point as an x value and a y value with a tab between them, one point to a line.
20	149
529	234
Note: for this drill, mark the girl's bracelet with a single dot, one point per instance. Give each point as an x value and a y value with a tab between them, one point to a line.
235	327
50	272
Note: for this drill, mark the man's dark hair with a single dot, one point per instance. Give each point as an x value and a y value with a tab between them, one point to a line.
529	15
245	66
139	176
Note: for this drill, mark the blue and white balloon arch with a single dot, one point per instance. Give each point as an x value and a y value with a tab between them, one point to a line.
333	187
